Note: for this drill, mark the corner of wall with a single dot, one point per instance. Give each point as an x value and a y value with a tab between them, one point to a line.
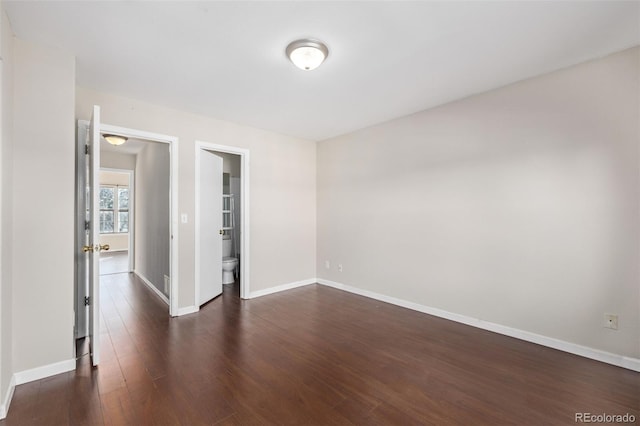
488	224
44	371
630	363
43	93
6	208
8	396
283	287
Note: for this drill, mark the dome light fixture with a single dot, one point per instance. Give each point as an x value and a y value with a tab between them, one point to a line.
307	54
115	139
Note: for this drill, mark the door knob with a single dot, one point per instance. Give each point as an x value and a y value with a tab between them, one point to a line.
87	248
104	247
222	232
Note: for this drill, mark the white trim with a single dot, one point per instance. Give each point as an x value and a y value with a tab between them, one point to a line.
282	287
196	227
587	352
81	319
4	407
245	261
188	310
173	172
49	370
173	274
132	220
152	287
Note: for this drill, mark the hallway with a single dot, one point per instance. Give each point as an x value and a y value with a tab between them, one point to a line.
312	355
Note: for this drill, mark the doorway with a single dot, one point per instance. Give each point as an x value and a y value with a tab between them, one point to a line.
171	280
221	218
117	216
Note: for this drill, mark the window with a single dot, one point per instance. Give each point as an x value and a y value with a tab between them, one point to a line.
123	209
114	209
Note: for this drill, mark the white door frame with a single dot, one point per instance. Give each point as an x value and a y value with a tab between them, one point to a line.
244	215
81	324
132	225
173	189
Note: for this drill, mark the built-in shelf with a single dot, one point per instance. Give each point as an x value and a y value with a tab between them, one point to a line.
227	212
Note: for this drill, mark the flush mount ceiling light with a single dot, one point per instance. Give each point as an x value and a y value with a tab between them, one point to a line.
307	54
115	139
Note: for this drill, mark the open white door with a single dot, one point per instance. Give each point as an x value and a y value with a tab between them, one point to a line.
210	214
93	247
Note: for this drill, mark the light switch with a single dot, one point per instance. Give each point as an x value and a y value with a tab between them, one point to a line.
183	218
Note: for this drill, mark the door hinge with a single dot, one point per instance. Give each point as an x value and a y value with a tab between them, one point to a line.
86	149
87	301
87	225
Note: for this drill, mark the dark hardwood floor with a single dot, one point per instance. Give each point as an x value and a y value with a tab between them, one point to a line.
313	355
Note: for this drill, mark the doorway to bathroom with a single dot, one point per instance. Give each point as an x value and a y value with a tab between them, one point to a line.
221	222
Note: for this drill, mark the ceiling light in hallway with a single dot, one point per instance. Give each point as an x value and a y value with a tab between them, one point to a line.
115	139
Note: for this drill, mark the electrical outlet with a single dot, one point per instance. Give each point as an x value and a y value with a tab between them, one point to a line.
327	264
340	267
611	321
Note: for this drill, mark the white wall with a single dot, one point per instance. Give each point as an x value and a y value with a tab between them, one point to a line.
116	242
113	178
43	206
152	214
283	179
116	160
6	204
518	206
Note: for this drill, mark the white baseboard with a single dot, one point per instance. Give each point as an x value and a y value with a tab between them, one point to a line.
152	287
187	310
258	293
38	373
4	407
587	352
282	287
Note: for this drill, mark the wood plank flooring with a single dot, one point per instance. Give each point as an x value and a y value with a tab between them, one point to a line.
313	355
114	262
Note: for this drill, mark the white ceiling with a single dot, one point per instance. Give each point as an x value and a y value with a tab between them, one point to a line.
387	59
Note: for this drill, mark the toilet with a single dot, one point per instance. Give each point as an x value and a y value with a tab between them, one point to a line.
228	263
